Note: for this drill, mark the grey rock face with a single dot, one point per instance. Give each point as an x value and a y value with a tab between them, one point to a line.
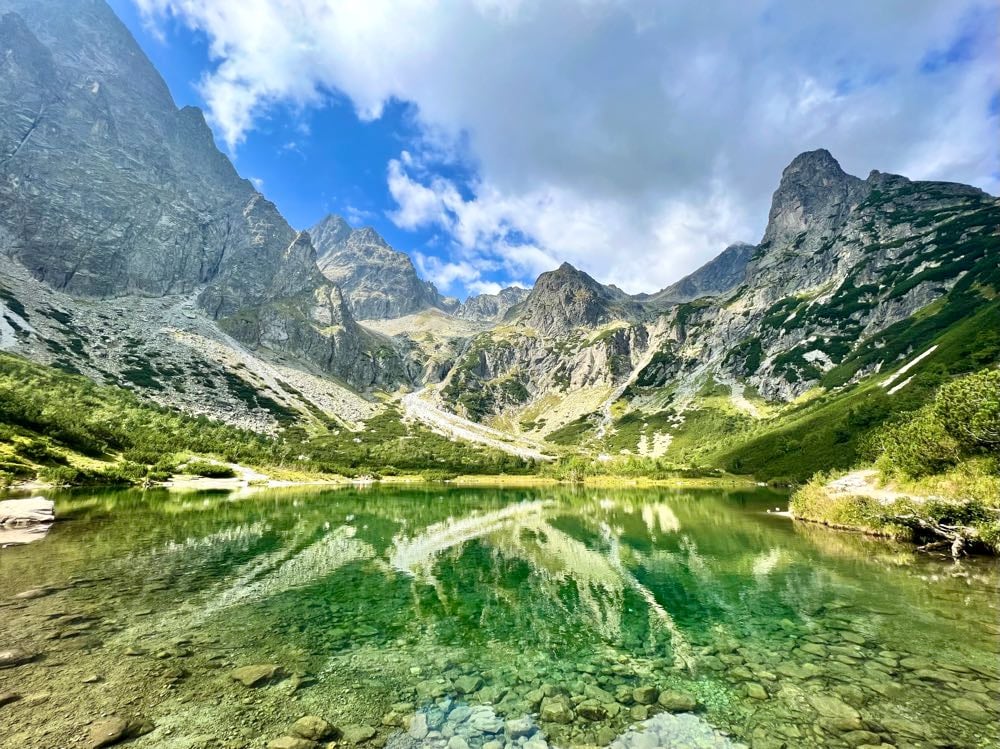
107	190
720	275
378	281
567	298
492	307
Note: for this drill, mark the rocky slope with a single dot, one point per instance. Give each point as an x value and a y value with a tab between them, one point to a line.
851	277
378	282
721	274
108	190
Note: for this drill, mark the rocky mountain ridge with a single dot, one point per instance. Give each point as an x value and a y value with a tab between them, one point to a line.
108	190
379	282
113	199
829	296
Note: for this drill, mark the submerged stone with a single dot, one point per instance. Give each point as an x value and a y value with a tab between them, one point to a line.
256	675
677	702
313	727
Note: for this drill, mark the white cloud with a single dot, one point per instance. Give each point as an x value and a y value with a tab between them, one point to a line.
258	183
634	138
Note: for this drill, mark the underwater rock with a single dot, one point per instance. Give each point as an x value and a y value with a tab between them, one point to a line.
313	728
291	742
518	728
969	710
7	697
645	695
358	734
15	657
106	732
756	691
555	710
256	675
468	684
30	511
677	702
835	713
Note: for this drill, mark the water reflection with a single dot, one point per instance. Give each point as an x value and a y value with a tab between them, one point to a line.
598	618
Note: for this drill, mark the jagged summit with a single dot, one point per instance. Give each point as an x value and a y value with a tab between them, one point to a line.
378	281
567	298
492	307
814	196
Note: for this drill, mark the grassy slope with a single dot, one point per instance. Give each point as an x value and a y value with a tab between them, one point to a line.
827	432
65	428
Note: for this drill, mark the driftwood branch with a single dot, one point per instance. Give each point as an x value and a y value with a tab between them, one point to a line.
957	536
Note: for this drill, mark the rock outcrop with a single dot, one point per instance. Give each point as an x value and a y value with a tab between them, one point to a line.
379	282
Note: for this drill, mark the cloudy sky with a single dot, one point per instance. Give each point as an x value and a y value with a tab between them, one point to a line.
494	139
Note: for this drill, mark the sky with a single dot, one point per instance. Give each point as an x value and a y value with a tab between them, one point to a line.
494	139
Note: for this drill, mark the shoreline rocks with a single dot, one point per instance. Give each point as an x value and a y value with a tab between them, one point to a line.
19	513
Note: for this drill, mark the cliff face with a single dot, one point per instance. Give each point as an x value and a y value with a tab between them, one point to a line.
379	282
492	307
107	189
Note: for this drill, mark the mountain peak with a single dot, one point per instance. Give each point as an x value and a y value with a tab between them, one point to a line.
566	298
814	193
819	161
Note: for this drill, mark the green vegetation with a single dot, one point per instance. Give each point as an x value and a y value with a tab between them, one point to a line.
903	518
66	429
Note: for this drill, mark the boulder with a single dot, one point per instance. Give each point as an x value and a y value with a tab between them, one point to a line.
313	728
256	675
30	511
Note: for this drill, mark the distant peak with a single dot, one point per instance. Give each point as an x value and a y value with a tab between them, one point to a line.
333	220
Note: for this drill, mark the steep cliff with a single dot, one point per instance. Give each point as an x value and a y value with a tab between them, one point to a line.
107	190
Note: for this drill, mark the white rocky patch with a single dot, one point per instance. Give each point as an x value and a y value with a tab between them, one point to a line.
887	382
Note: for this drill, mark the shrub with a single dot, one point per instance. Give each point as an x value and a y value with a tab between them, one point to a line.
208	470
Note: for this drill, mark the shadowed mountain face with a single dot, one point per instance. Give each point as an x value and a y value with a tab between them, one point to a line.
107	189
721	274
378	281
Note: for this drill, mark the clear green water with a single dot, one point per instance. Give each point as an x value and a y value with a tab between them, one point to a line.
396	608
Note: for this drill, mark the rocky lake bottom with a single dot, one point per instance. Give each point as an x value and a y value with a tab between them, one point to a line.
486	619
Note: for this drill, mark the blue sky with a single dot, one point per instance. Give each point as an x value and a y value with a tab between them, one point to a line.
493	139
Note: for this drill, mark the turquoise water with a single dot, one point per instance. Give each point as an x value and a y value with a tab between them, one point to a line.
483	617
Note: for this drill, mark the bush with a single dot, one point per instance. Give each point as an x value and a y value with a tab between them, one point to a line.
208	470
960	423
